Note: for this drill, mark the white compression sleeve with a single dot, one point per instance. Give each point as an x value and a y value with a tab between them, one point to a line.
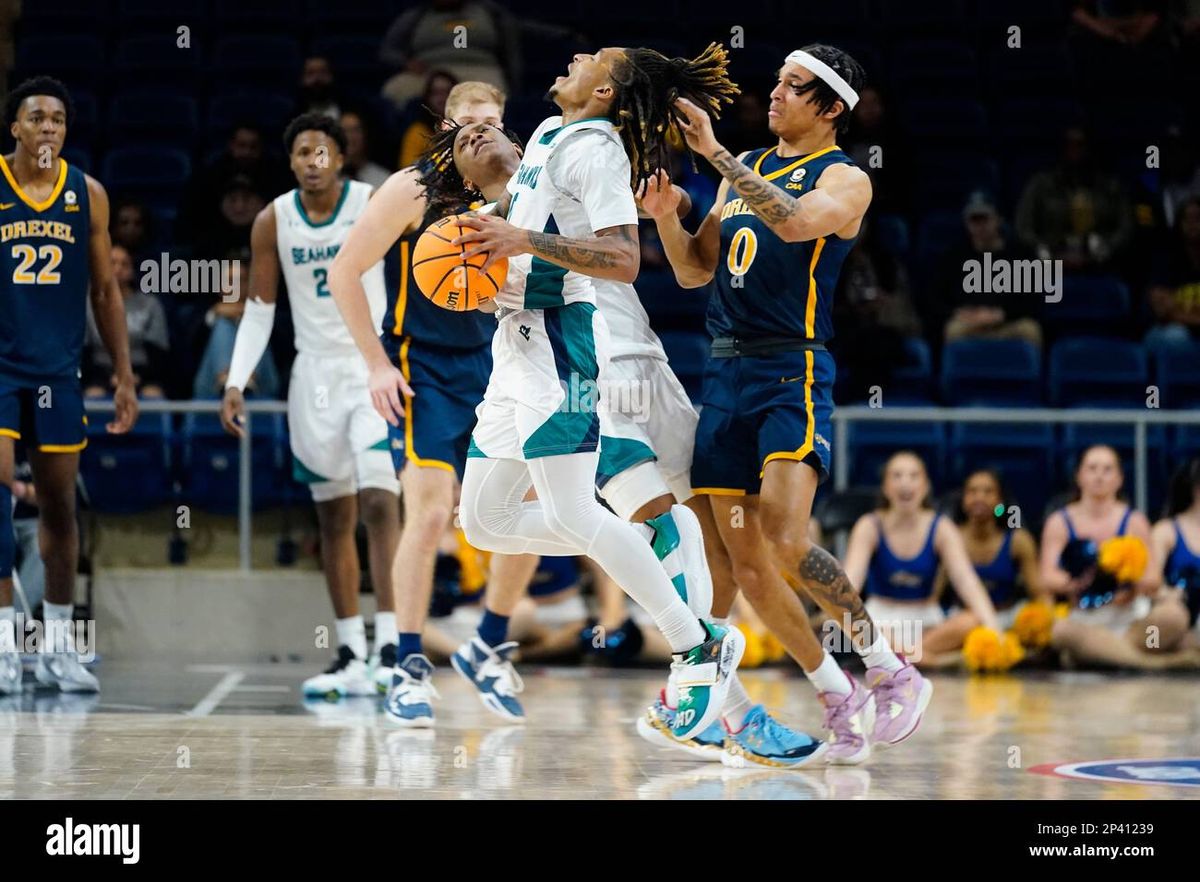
253	335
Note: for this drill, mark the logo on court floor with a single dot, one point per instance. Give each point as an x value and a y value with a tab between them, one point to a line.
1177	771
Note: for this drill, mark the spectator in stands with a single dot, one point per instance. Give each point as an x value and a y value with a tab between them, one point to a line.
131	227
879	147
893	558
318	93
1075	212
1176	540
1109	623
432	34
965	314
147	327
1174	292
358	165
873	314
421	114
239	203
223	317
244	158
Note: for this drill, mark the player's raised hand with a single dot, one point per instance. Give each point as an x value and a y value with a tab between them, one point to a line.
233	412
492	236
126	405
697	128
387	385
657	196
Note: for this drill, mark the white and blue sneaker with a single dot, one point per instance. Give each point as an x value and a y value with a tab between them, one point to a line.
64	671
346	676
702	676
410	700
656	725
764	741
489	670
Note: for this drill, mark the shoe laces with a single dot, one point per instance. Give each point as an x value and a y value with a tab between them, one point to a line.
837	715
508	681
415	687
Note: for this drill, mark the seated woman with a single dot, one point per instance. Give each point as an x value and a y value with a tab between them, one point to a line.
1175	541
1127	626
1005	559
893	557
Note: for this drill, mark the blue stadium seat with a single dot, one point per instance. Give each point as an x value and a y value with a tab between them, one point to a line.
127	473
371	16
189	12
995	372
941	120
80	157
912	381
1185	444
687	353
269	110
153	117
1039	118
65	15
1090	305
1177	374
268	16
872	443
84	125
947	179
155	60
1097	372
352	57
156	174
1026	72
945	66
891	232
1077	436
209	458
938	232
77	59
258	61
1023	453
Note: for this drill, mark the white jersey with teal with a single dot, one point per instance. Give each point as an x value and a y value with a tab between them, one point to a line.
573	181
306	251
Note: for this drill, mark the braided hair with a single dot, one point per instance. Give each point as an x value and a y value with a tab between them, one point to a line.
445	190
643	109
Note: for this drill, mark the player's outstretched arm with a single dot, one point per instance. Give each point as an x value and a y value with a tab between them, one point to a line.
839	198
254	329
109	308
692	257
613	254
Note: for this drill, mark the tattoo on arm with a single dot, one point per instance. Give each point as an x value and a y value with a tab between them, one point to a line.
581	254
823	578
764	198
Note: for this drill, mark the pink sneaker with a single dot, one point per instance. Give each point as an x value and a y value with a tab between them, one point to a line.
849	719
900	702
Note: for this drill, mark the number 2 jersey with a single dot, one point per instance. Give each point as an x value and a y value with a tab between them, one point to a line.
44	277
306	251
766	287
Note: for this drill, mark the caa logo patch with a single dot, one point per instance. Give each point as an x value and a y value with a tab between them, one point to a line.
1177	772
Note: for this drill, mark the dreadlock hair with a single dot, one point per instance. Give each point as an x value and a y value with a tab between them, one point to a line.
445	189
38	86
644	111
845	67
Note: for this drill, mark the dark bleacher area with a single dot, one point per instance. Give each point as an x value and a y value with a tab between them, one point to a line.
965	113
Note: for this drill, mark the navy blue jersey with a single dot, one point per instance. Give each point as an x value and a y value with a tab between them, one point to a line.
411	314
766	287
44	274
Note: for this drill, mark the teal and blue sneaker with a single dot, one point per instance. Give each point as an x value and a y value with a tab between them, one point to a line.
490	671
764	741
702	677
656	724
410	700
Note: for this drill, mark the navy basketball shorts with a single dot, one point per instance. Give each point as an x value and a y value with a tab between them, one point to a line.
47	416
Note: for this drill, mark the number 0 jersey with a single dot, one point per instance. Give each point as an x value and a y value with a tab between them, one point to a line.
306	251
766	287
44	276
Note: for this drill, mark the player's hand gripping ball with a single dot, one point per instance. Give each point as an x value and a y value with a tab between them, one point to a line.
446	277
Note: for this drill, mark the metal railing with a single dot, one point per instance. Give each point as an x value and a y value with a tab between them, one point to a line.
842	416
1138	418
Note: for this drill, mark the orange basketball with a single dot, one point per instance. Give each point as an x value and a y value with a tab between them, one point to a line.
445	277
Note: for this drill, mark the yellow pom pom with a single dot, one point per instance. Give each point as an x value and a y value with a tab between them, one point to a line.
772	649
753	655
1125	557
1033	624
1012	650
1062	610
987	650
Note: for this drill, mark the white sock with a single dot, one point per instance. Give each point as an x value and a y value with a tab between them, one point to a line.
879	655
385	629
8	629
828	677
352	632
57	619
737	705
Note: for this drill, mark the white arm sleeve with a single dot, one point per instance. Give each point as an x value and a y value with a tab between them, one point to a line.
253	335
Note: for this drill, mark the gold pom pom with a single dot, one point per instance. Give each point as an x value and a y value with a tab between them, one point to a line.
1125	557
986	650
1033	624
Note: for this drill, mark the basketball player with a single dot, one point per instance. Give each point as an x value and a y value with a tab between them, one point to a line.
339	443
774	242
572	217
54	225
438	362
644	462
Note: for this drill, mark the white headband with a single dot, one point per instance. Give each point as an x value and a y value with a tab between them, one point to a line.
825	73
